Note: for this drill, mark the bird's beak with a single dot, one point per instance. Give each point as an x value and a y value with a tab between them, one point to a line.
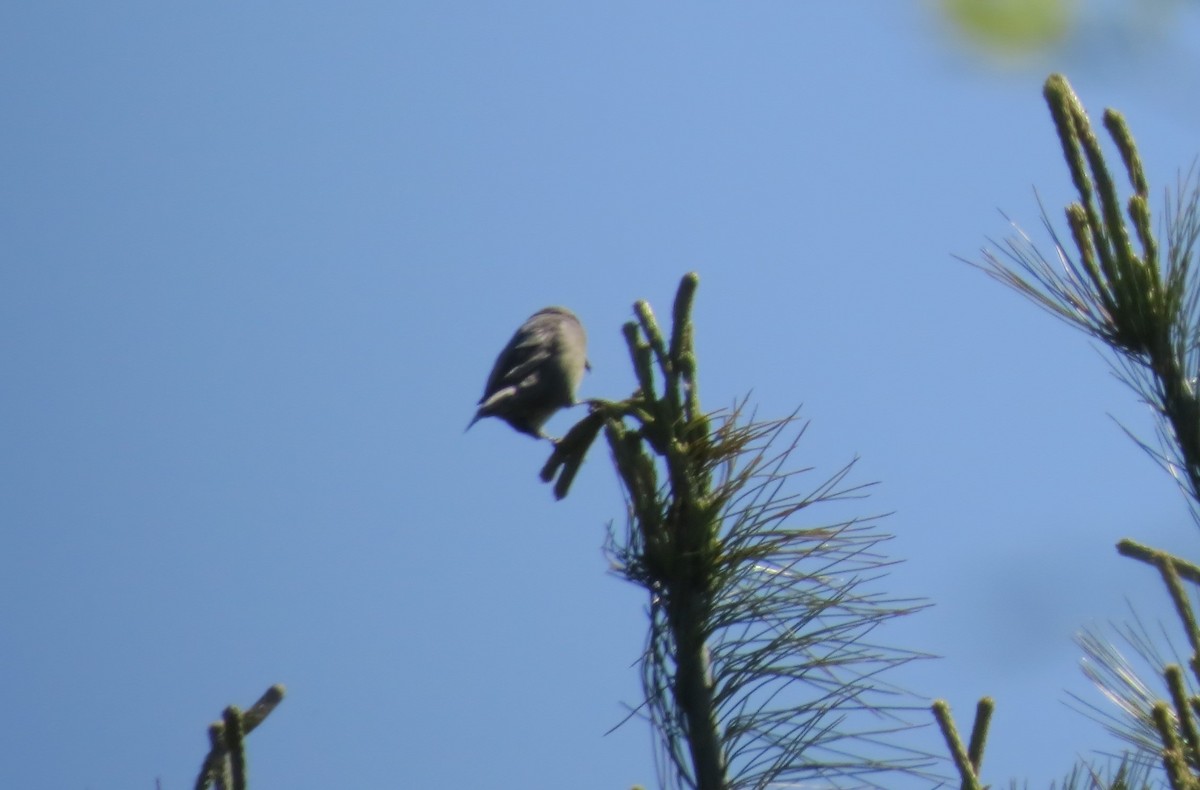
587	364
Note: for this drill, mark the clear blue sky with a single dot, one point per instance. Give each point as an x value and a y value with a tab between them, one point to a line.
257	261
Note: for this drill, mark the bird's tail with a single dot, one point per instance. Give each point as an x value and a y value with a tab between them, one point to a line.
480	413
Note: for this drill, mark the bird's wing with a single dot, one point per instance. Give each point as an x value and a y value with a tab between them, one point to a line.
527	349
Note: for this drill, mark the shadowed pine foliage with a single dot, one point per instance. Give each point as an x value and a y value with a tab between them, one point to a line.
1114	282
762	665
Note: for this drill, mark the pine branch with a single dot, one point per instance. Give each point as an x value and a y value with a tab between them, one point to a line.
1148	314
225	764
759	667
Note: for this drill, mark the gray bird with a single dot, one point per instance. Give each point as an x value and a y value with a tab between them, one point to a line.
537	372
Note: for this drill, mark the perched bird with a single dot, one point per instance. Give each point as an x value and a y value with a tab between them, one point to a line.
537	372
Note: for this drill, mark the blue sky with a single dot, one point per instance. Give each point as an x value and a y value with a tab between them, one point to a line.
257	264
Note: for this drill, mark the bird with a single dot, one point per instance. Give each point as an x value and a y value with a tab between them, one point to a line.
537	373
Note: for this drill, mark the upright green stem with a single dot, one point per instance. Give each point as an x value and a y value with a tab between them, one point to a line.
694	691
